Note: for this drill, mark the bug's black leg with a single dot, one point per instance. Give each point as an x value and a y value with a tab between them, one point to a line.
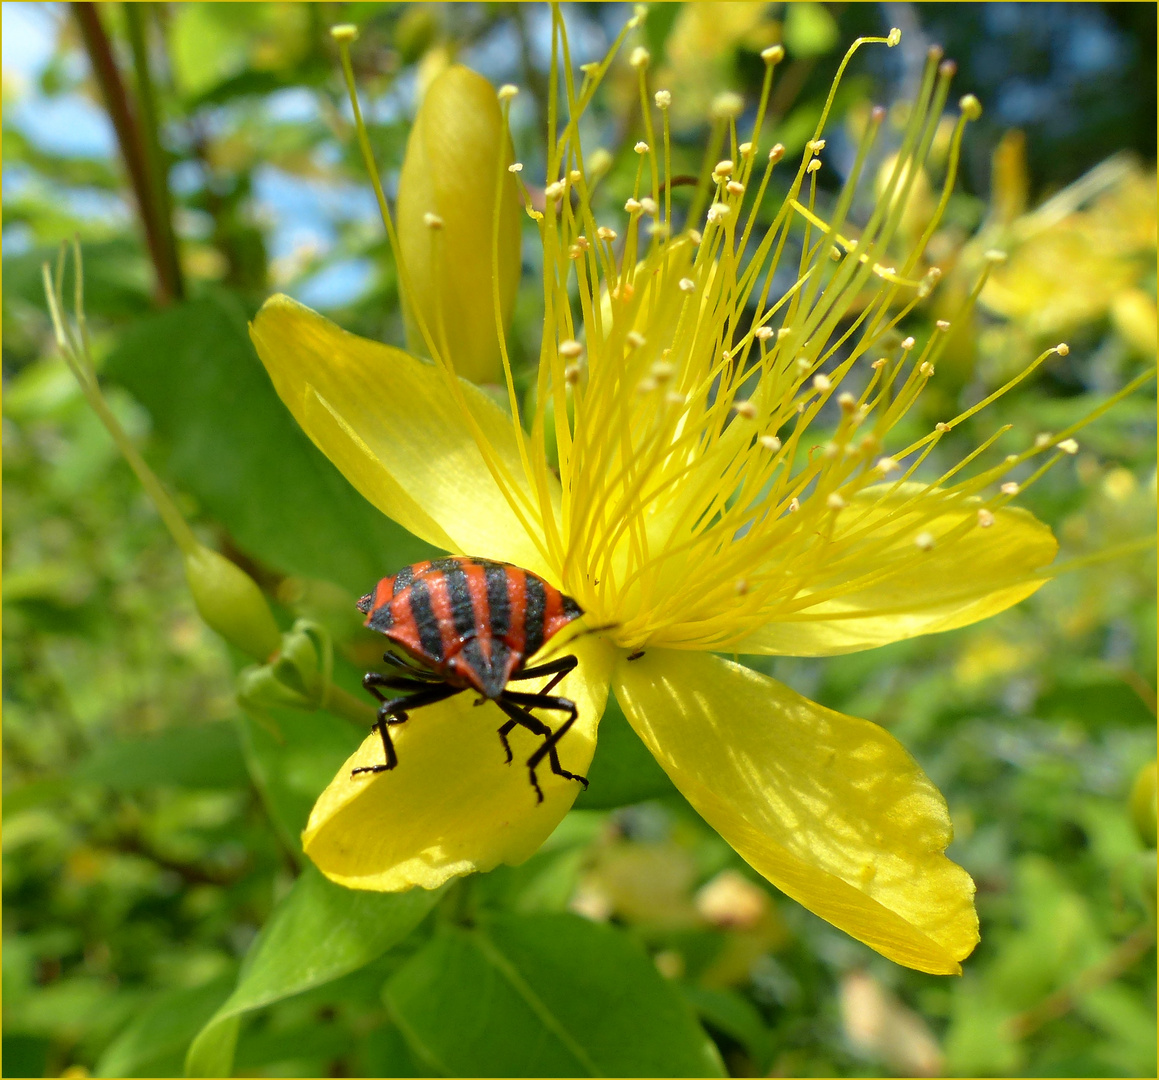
515	705
524	719
417	674
560	668
504	731
395	711
372	679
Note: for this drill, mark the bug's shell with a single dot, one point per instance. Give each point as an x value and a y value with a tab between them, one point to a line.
472	621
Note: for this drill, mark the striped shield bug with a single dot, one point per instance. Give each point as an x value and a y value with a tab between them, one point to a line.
470	624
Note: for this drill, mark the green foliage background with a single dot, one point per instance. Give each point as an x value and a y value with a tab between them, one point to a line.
156	900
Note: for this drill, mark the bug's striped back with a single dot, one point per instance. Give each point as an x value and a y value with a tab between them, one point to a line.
474	620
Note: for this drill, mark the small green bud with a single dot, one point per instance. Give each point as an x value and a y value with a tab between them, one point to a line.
230	601
1143	803
298	677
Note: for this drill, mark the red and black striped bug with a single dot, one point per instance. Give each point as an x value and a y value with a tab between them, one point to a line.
471	624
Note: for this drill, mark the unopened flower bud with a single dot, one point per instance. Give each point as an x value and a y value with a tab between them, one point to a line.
229	600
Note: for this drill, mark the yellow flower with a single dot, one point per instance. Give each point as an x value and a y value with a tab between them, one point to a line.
723	487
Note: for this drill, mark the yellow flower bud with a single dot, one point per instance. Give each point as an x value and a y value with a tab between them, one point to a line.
450	171
1143	803
231	603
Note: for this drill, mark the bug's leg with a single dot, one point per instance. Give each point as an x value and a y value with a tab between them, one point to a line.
416	674
523	702
524	719
560	668
504	731
395	711
372	680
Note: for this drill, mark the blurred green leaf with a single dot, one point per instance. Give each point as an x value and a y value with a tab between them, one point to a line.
236	448
207	756
319	932
732	1014
545	995
810	30
158	1036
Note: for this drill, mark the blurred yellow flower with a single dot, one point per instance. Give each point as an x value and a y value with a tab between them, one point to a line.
723	486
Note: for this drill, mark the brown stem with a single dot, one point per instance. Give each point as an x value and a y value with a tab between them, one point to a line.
116	99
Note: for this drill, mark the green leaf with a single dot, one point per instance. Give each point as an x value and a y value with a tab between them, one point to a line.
159	1034
207	756
810	30
235	447
319	932
623	771
732	1014
545	995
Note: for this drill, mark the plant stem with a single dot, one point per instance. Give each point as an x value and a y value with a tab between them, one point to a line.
149	130
117	104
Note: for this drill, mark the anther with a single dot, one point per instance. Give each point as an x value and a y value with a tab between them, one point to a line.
1009	488
774	54
734	187
1069	446
971	107
741	587
432	221
746	409
815	146
926	368
835	502
632	205
1042	440
575	176
804	364
727	106
581	242
907	343
640	57
835	253
985	518
570	349
886	465
663	99
795	505
821	383
784	332
847	402
571	374
924	541
662	371
624	291
554	190
574	251
1062	348
694	236
718	211
995	256
942	426
893	37
686	284
832	451
344	33
943	324
723	169
646	386
590	68
813	165
675	397
948	69
515	167
649	206
763	333
745	149
634	339
604	233
641	147
770	442
777	152
880	362
507	91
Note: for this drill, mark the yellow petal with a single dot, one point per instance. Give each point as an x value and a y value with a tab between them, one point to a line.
924	591
452	806
450	171
831	809
391	426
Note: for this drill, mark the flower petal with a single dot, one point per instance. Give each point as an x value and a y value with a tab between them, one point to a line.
390	425
952	584
452	806
830	808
